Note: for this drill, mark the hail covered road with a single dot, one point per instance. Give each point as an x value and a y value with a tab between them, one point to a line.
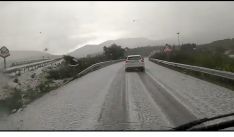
112	99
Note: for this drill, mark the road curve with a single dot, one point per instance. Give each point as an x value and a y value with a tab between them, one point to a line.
111	99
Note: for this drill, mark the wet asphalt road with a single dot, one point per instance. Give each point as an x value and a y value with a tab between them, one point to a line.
107	99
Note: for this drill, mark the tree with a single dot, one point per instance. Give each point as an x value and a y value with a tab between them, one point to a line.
188	47
114	52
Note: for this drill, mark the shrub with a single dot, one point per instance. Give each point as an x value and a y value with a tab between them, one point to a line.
14	101
16	80
44	86
19	73
33	75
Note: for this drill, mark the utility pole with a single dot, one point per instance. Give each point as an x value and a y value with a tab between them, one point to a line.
178	38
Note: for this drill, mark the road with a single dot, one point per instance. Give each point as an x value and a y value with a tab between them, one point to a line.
112	99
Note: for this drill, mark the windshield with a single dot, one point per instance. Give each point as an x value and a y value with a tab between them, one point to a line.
116	66
134	58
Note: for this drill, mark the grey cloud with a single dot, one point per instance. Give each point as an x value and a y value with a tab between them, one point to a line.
63	26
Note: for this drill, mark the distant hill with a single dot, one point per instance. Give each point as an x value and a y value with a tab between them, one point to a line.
132	42
225	43
86	50
19	56
225	46
125	42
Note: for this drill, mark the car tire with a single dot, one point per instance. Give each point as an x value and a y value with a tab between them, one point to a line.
142	69
126	70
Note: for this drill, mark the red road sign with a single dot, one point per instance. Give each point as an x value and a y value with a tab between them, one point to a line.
4	52
167	50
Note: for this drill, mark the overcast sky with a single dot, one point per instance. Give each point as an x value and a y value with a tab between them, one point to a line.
64	26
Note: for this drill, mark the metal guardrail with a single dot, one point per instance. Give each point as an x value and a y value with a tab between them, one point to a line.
219	73
92	68
97	66
27	66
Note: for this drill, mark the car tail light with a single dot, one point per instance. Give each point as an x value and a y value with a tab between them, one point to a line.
126	61
142	60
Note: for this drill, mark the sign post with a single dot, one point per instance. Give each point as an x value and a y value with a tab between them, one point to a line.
4	52
4	63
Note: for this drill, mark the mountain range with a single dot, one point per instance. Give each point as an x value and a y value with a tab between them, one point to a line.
124	42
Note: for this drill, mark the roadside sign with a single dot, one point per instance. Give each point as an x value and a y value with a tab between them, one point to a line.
4	52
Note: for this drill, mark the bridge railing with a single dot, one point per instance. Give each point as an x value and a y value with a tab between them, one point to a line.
219	73
19	63
31	65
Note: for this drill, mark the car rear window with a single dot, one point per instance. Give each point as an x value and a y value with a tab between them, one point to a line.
134	58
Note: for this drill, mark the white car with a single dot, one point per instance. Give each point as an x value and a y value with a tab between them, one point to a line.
134	62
